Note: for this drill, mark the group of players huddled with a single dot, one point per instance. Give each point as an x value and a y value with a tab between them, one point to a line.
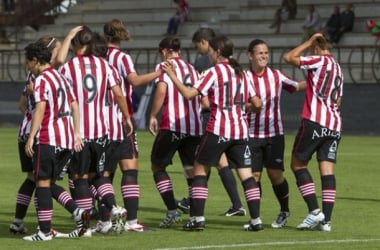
78	120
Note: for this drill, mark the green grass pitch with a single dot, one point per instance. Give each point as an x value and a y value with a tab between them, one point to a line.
356	217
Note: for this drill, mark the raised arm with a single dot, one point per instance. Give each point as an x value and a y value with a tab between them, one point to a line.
293	56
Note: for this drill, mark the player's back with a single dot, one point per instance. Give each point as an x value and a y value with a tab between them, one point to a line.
90	77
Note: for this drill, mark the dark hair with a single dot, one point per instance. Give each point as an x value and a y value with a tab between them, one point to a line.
323	42
203	33
254	43
226	49
38	51
99	45
83	38
48	41
170	43
115	31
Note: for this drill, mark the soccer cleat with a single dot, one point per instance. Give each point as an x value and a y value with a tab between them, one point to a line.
82	221
258	226
136	227
171	218
117	215
193	225
184	205
18	228
312	220
104	227
324	226
235	212
281	220
39	236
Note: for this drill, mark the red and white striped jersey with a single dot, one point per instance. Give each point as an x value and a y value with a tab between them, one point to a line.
91	77
57	124
268	86
324	87
124	65
228	94
179	114
25	125
115	117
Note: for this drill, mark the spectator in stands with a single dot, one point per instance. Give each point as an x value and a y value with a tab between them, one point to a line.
288	10
312	23
333	23
182	14
9	6
347	19
374	29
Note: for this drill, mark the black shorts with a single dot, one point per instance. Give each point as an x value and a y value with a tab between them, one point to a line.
167	143
312	137
116	151
112	156
92	157
267	152
25	161
50	161
213	146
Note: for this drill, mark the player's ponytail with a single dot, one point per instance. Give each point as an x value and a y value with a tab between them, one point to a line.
226	48
115	31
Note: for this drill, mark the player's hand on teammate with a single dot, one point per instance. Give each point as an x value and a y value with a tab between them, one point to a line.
168	67
30	88
74	31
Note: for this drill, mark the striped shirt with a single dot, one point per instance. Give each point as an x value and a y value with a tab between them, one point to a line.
57	124
324	87
268	123
124	65
115	117
227	94
25	125
91	77
179	114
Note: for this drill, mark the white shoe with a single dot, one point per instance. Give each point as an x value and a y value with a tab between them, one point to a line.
39	236
104	227
136	227
117	215
324	226
312	220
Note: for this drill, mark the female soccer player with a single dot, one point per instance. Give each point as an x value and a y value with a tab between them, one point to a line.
229	93
180	127
115	32
320	129
266	130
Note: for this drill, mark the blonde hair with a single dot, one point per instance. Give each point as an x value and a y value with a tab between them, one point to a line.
115	31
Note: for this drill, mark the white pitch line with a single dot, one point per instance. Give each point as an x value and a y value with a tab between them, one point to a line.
282	243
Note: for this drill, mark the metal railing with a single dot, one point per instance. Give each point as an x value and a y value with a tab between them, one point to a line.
360	64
